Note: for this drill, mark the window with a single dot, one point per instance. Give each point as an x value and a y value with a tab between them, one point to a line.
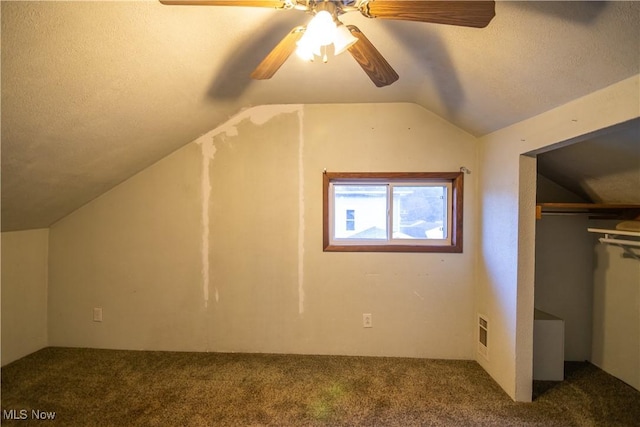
351	220
397	212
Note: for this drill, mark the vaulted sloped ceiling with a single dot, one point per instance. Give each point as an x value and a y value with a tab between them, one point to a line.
605	168
93	92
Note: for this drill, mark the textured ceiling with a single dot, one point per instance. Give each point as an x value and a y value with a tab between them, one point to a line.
93	92
603	169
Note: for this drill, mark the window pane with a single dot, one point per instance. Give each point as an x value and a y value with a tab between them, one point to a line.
419	212
367	204
351	220
392	212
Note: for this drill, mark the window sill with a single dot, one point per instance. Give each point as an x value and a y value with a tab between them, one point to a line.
393	248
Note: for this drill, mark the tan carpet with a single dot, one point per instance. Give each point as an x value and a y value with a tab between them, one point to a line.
86	387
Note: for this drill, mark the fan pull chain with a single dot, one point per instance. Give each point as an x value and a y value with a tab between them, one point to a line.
324	54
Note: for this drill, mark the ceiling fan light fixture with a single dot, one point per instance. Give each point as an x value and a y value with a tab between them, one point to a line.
325	28
321	29
343	39
306	50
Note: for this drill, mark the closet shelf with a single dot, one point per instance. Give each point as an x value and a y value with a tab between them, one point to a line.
594	210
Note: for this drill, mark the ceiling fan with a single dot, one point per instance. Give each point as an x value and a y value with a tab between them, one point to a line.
325	28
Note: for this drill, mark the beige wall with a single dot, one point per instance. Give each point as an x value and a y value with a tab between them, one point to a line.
24	293
186	256
218	246
616	309
135	253
507	222
564	270
564	279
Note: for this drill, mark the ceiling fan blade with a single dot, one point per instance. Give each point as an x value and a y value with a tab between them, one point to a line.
274	60
464	13
277	4
371	61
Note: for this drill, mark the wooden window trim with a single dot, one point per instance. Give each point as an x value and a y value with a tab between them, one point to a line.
456	179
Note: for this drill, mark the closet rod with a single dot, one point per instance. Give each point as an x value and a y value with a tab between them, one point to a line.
608	231
620	242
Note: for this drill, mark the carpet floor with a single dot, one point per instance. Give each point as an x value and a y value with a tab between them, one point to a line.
88	387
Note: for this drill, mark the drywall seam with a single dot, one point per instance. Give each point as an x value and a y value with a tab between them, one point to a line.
208	152
257	115
301	225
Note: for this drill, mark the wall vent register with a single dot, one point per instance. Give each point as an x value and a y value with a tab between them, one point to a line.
483	335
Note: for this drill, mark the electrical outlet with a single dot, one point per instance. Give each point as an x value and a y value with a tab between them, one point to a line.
97	314
367	321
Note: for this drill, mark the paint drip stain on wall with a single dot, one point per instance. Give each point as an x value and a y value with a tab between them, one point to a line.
258	116
301	225
208	152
